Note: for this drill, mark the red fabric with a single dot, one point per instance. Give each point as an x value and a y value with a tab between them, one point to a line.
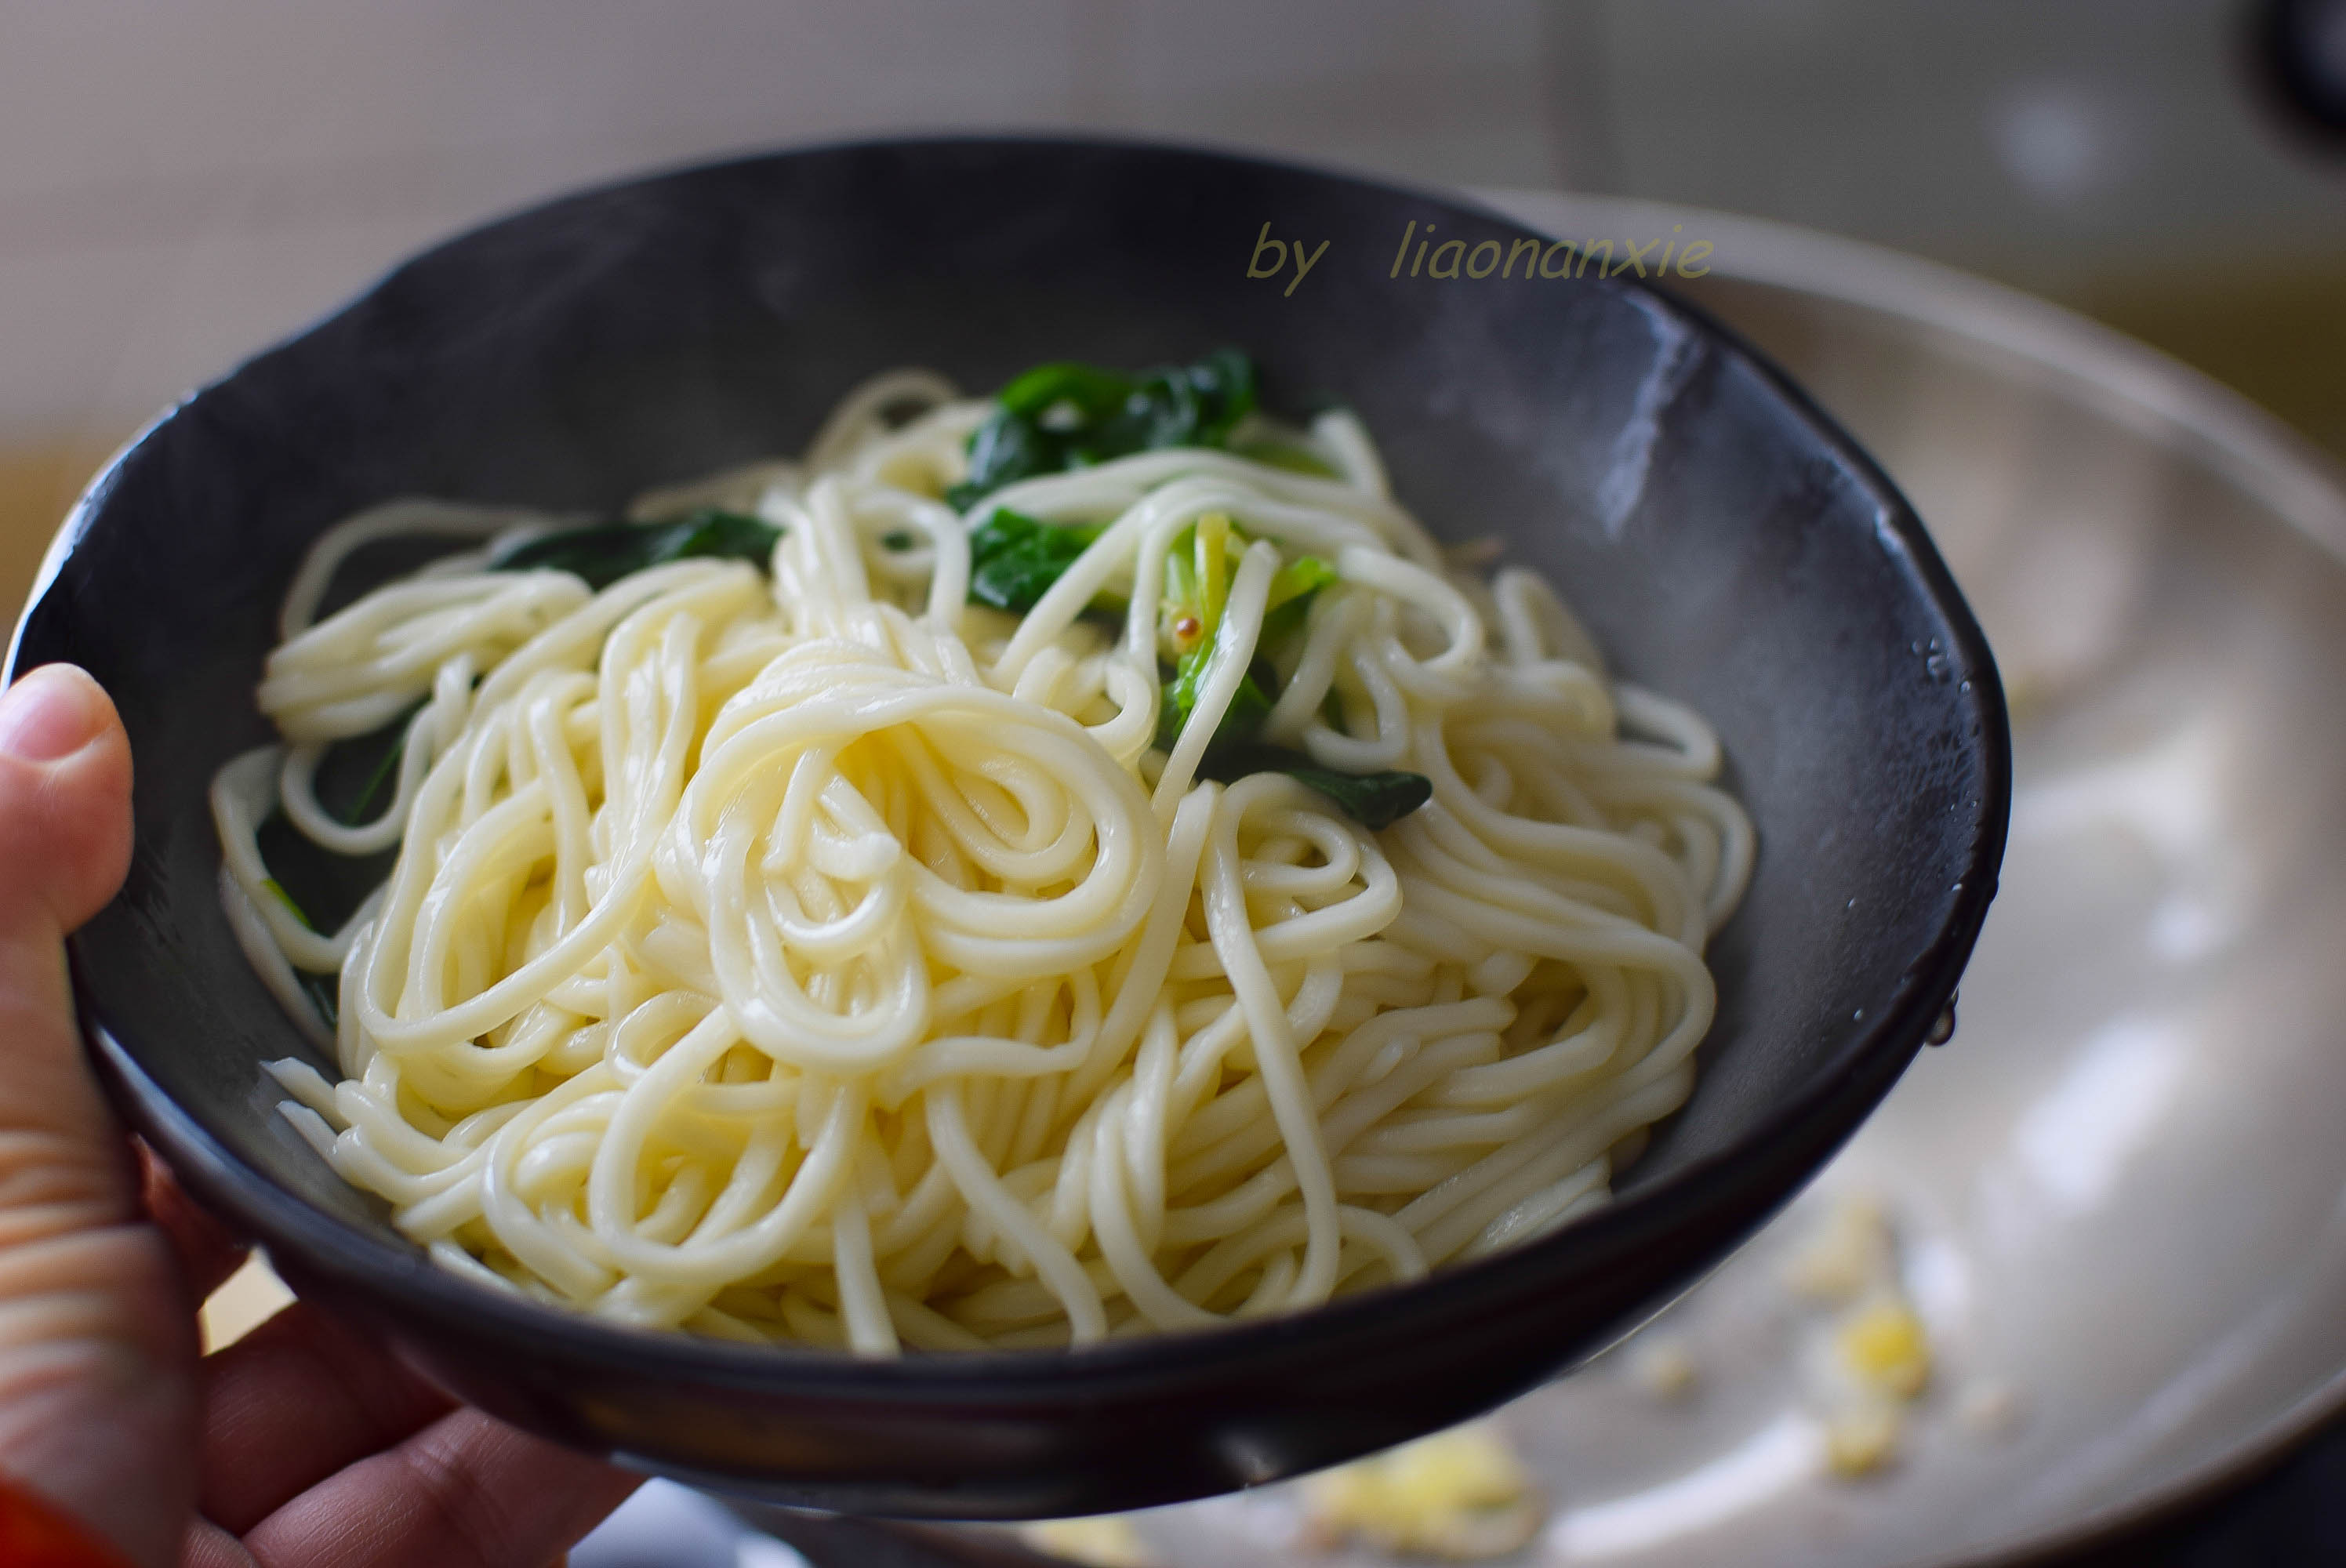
34	1534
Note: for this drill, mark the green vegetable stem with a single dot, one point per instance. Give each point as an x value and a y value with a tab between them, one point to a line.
1191	624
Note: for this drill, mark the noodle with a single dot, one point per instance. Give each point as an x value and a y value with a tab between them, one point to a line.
812	954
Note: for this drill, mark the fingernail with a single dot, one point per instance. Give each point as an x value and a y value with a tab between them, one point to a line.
51	713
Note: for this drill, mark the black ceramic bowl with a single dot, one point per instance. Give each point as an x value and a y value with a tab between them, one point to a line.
1725	542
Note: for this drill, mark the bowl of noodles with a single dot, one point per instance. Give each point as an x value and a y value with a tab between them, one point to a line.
874	826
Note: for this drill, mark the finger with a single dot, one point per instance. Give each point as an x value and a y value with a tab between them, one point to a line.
209	1546
97	1334
464	1493
65	838
207	1251
293	1402
65	834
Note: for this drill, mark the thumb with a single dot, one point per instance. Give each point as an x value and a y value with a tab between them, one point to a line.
65	801
97	1338
64	842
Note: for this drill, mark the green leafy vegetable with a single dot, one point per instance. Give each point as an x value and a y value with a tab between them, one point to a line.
603	553
362	809
1290	597
324	991
1014	559
1249	705
353	774
278	888
1065	415
1375	800
319	887
1294	459
1198	572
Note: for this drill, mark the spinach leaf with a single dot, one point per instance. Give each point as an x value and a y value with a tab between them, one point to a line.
1196	572
362	809
1014	559
1375	800
320	886
1249	705
296	911
324	991
603	553
353	774
1294	459
1290	597
1067	414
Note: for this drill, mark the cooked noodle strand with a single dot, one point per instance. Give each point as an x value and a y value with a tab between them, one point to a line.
799	949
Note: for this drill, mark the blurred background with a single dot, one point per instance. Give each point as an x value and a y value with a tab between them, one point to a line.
182	181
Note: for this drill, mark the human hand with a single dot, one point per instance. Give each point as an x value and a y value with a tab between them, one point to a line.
301	1444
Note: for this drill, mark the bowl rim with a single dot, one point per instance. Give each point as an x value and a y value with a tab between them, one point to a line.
404	1281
